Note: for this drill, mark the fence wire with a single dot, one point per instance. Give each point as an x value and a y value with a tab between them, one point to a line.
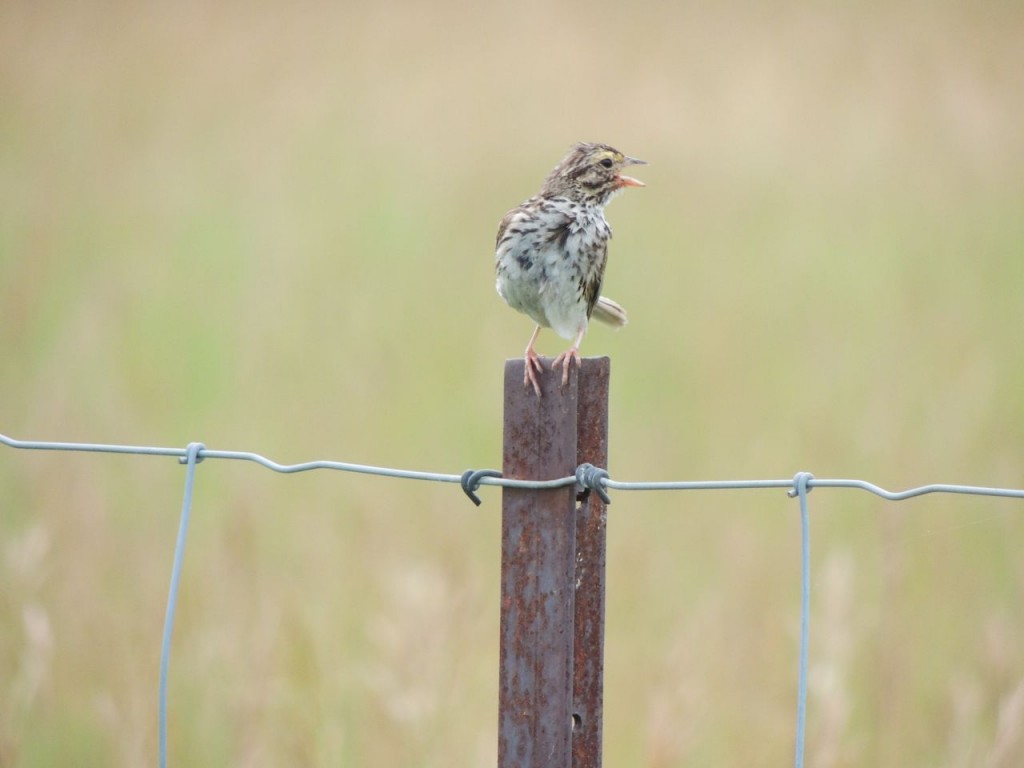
472	479
585	477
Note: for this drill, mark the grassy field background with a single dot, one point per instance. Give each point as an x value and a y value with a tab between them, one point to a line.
270	227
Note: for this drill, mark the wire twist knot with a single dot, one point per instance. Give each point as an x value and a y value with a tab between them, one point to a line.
470	481
193	454
801	484
590	477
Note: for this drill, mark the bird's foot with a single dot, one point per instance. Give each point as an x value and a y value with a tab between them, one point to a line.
532	368
565	360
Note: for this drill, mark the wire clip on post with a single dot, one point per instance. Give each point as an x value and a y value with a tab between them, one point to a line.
590	478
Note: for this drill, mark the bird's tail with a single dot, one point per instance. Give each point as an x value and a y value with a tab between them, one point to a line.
610	312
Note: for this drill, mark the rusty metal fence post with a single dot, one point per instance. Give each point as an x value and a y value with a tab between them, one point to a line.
552	572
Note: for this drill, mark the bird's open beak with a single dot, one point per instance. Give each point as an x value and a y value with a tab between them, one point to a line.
629	181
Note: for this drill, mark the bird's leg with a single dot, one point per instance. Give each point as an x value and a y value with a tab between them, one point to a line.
571	354
533	366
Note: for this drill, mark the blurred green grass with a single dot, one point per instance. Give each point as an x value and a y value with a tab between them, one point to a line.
270	228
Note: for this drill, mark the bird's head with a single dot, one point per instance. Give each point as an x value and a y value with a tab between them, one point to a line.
591	173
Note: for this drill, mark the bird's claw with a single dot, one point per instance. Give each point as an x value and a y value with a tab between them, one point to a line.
565	360
532	368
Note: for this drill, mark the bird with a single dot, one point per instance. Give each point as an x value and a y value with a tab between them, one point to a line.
551	251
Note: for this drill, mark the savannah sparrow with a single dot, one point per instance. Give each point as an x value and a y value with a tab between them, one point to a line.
552	249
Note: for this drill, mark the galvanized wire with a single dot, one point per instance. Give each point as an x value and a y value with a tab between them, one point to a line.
191	459
496	480
586	477
802	481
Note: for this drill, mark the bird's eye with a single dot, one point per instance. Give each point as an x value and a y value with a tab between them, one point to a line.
607	162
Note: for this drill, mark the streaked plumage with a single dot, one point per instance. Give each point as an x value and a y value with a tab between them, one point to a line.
552	249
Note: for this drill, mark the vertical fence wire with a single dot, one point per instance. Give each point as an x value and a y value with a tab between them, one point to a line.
800	482
190	460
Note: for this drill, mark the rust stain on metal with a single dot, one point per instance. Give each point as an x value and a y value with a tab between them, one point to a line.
591	536
545	688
